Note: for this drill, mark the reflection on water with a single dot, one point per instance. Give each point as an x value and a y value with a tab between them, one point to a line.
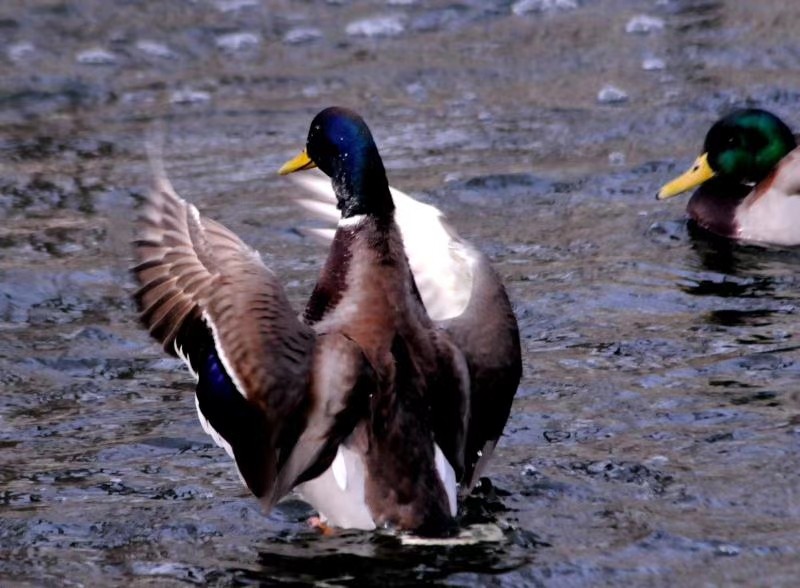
374	559
655	435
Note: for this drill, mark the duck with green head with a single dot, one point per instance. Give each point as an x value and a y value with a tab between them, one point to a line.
747	180
393	387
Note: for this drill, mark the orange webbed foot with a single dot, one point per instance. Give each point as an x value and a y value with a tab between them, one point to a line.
324	529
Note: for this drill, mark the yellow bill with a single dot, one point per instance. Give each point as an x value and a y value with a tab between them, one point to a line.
697	174
300	162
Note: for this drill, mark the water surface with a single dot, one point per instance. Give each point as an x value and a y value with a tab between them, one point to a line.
655	436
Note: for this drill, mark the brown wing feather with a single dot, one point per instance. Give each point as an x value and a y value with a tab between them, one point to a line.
192	272
190	266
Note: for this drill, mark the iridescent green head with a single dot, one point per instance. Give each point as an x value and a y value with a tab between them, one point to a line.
744	147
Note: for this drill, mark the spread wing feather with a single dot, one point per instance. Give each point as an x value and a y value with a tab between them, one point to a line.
208	298
189	266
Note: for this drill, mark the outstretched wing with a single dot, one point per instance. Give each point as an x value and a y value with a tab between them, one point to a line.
209	299
487	334
463	295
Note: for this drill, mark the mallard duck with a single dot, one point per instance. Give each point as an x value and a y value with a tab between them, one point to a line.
748	178
375	409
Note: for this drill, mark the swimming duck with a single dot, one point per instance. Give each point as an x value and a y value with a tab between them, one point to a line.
373	409
748	178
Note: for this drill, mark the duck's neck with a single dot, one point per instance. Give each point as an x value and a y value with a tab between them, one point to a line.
361	187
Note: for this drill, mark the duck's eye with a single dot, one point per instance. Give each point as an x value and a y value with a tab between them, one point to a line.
733	142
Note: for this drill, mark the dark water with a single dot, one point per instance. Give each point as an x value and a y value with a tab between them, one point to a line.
656	436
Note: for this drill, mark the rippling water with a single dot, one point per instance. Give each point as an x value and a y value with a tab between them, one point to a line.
656	435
